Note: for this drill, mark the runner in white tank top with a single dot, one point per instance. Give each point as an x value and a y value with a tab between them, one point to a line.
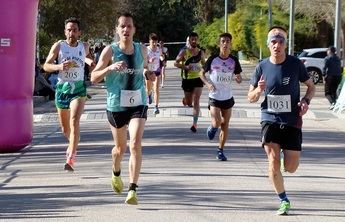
70	90
154	53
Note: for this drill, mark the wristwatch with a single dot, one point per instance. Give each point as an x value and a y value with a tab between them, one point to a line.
307	101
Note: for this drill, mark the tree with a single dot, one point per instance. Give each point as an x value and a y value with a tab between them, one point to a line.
318	9
97	20
172	21
241	23
249	24
205	11
322	12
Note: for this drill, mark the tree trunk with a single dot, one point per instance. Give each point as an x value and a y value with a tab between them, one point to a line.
207	11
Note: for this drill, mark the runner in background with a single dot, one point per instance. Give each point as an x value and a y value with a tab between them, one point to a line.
223	68
163	61
190	60
154	53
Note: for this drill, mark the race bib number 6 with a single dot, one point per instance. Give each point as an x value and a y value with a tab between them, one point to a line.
130	98
279	103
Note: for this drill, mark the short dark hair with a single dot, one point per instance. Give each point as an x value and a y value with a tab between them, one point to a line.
193	34
73	20
153	36
278	27
225	35
126	15
332	49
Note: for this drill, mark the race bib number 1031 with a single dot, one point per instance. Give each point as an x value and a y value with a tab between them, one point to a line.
279	103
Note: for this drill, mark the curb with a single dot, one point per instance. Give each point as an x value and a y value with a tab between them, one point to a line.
185	112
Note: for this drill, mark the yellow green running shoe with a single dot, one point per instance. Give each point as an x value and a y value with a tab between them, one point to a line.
116	184
132	198
284	208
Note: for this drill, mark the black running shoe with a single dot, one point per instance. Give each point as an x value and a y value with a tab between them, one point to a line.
221	156
68	167
193	128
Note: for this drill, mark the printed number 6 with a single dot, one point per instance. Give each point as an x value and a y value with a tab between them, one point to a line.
131	100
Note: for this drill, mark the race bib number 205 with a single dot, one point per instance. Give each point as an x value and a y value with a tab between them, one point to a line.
279	103
71	74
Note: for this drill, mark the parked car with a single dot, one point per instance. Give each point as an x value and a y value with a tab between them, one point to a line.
314	61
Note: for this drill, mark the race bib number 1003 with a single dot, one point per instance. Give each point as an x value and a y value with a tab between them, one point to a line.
279	103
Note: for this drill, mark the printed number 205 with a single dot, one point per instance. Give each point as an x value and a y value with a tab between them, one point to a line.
70	75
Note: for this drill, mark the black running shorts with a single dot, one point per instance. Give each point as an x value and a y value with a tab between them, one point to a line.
288	137
225	104
119	119
188	85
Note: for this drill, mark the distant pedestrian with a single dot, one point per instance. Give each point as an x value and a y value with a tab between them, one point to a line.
332	75
42	87
98	50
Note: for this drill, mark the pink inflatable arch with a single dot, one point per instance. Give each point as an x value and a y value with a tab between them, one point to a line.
17	60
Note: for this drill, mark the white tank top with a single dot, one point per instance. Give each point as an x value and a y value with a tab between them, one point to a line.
77	54
153	58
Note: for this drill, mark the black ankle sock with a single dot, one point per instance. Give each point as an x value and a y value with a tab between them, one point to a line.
117	173
220	150
132	186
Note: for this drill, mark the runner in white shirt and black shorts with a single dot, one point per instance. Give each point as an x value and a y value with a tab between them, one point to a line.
223	68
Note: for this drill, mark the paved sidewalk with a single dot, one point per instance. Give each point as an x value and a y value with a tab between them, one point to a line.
181	179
